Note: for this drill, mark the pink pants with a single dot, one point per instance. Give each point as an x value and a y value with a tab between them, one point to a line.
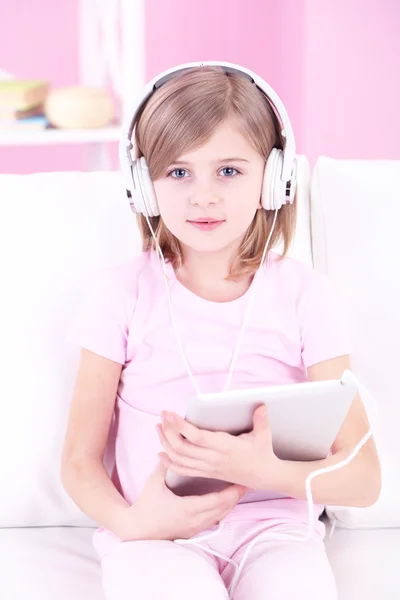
274	570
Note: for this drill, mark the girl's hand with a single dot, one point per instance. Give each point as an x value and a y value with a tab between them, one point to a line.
247	459
159	514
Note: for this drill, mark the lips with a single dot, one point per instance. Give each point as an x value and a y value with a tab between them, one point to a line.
206	224
205	220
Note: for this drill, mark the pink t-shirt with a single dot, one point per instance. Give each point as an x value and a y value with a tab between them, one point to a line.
295	322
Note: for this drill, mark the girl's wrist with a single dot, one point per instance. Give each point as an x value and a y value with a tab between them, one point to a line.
275	476
134	526
127	524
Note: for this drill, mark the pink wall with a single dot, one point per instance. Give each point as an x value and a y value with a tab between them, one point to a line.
351	86
327	59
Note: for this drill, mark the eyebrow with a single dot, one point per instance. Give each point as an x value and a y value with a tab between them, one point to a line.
219	160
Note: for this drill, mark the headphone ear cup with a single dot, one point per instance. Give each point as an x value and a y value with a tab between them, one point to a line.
145	201
274	189
148	192
136	201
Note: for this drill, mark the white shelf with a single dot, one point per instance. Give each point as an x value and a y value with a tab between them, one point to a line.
60	136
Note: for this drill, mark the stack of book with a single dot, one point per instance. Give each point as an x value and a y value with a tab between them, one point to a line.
22	104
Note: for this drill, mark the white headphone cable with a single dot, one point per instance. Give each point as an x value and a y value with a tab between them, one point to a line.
174	326
247	313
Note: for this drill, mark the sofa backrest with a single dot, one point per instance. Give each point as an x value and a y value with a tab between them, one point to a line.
59	230
355	216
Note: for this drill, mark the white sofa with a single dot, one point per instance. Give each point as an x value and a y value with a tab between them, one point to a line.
57	231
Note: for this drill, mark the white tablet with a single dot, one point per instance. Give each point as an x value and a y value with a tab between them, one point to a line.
305	419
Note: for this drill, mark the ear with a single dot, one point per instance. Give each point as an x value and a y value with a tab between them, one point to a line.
260	201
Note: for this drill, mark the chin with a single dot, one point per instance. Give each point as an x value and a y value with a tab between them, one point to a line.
208	242
210	246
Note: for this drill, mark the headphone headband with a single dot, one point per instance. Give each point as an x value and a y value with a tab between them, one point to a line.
126	145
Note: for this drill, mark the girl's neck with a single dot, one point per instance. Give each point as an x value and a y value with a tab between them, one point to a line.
205	274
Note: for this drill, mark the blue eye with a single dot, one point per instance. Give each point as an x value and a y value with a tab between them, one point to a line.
229	171
183	173
178	173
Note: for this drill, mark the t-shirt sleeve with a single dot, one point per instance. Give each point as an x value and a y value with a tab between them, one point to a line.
101	321
323	321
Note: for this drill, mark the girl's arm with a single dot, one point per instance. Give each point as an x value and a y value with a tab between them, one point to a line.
356	484
82	471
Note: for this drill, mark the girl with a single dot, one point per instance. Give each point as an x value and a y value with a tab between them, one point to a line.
206	133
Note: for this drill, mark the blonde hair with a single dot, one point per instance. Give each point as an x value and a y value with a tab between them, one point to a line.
180	117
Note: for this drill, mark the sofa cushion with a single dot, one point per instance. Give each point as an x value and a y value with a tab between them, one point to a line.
60	563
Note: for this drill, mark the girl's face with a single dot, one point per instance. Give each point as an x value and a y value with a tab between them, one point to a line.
208	198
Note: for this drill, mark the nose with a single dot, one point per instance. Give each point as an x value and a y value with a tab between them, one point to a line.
204	198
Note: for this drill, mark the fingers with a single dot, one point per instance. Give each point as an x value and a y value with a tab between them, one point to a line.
188	468
184	453
160	471
260	413
233	493
198	437
260	419
227	498
225	502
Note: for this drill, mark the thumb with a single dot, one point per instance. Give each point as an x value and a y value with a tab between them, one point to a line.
160	471
260	420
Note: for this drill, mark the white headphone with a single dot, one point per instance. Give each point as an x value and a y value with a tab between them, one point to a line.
280	173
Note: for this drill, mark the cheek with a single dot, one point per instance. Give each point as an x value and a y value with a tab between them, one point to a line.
245	202
168	202
173	214
161	192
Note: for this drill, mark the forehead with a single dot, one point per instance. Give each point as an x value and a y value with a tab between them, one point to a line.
228	140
